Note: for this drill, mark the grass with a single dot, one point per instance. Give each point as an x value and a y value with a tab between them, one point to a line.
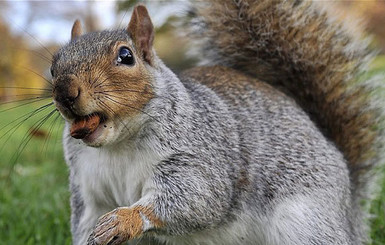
378	205
34	196
378	222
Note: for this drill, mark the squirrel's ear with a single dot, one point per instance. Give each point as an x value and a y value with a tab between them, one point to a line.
142	31
76	30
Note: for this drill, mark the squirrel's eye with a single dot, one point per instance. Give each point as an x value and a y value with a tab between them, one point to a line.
125	56
51	70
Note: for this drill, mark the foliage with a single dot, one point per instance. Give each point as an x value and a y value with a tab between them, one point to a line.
373	15
127	4
15	65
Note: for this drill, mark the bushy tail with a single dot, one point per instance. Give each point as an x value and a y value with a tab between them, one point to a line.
299	47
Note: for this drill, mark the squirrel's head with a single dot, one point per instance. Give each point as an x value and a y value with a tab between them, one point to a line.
102	80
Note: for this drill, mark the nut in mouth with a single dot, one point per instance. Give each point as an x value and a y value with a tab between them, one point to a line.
84	126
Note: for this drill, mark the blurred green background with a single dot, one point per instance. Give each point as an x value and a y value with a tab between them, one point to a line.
34	197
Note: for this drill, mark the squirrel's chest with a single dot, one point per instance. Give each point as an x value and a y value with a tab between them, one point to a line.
112	179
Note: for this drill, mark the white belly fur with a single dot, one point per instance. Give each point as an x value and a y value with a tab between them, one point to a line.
110	178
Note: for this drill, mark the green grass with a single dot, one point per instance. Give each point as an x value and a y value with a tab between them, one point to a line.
34	196
378	222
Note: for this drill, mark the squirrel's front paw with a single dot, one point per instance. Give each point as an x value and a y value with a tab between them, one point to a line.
116	227
120	225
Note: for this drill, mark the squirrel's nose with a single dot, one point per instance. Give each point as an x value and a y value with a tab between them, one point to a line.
66	92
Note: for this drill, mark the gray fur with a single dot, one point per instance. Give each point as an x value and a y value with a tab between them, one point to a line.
213	143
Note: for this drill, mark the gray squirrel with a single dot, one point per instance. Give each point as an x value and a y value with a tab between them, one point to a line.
274	141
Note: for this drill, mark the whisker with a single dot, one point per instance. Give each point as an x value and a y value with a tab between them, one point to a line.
121	21
125	90
10	98
50	130
37	53
108	93
27	138
27	116
126	80
57	135
20	95
30	102
101	83
35	127
102	104
12	130
123	82
43	89
97	79
132	107
37	74
30	35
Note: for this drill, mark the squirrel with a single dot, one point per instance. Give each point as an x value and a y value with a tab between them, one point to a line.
274	140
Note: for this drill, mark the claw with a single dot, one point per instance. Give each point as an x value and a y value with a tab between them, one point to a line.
120	225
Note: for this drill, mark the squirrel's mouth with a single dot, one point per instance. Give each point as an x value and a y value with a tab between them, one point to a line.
84	127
